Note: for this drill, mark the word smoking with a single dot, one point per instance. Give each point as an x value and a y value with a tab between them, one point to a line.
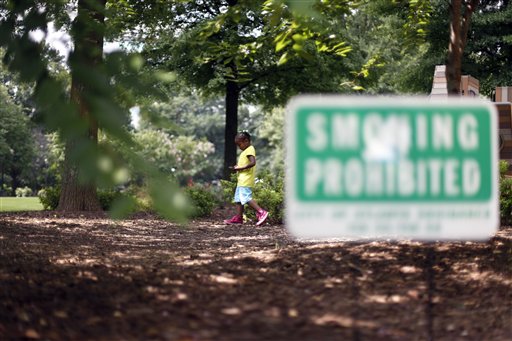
397	154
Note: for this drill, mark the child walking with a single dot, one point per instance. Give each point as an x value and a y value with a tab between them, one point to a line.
245	168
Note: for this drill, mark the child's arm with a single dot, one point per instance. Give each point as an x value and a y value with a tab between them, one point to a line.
252	163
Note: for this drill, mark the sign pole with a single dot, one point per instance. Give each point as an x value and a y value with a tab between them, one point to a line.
430	259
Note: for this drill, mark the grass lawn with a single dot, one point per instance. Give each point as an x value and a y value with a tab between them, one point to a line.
12	204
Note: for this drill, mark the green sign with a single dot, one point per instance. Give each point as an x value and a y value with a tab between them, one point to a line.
391	168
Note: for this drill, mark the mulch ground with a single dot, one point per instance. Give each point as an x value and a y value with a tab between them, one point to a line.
82	277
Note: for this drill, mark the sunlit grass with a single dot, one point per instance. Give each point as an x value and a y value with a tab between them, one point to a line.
12	204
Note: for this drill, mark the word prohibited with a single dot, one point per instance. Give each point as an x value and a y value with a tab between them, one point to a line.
393	167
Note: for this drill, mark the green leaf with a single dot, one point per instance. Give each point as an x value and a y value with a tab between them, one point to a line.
122	207
299	38
283	59
166	77
168	200
282	44
305	55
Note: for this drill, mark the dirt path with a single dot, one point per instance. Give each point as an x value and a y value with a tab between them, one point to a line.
89	278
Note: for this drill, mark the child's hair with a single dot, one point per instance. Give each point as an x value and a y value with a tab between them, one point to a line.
244	135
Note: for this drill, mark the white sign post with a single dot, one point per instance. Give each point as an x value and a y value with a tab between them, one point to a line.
391	168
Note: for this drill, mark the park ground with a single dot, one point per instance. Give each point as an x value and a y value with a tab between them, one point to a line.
84	277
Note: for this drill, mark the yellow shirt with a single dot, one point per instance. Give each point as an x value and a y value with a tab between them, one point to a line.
246	177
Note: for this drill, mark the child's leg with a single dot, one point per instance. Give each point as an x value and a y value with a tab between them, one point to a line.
239	209
254	205
238	218
261	214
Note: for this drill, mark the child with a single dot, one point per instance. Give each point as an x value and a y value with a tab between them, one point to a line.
246	169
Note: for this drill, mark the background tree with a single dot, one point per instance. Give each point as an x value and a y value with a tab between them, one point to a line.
229	47
460	19
401	57
488	52
183	157
16	146
88	34
185	113
41	170
102	86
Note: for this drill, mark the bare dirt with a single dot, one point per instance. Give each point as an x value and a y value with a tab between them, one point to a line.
83	277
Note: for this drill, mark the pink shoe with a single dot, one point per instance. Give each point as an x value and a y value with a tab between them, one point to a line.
262	216
235	220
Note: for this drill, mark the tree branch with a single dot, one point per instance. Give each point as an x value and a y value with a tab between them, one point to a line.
466	21
267	73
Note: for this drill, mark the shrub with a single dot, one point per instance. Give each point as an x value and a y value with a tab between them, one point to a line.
141	196
23	192
5	190
49	197
506	201
228	189
181	156
107	196
203	200
505	195
503	167
269	193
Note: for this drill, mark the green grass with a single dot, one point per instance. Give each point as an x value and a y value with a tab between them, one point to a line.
12	204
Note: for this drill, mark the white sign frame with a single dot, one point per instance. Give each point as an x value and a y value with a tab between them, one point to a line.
380	220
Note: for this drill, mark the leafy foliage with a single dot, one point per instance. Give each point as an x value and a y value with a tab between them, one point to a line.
23	192
203	199
49	197
16	149
118	74
229	47
228	188
108	197
271	130
505	195
387	41
182	157
269	192
506	201
488	54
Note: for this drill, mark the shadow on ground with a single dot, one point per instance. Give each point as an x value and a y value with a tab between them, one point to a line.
87	278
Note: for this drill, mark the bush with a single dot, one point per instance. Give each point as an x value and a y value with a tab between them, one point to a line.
268	192
505	195
5	190
49	197
203	200
228	189
503	167
23	192
106	197
506	201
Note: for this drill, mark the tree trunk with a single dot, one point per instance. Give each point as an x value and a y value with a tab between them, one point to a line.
88	33
2	181
459	26
232	95
15	182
